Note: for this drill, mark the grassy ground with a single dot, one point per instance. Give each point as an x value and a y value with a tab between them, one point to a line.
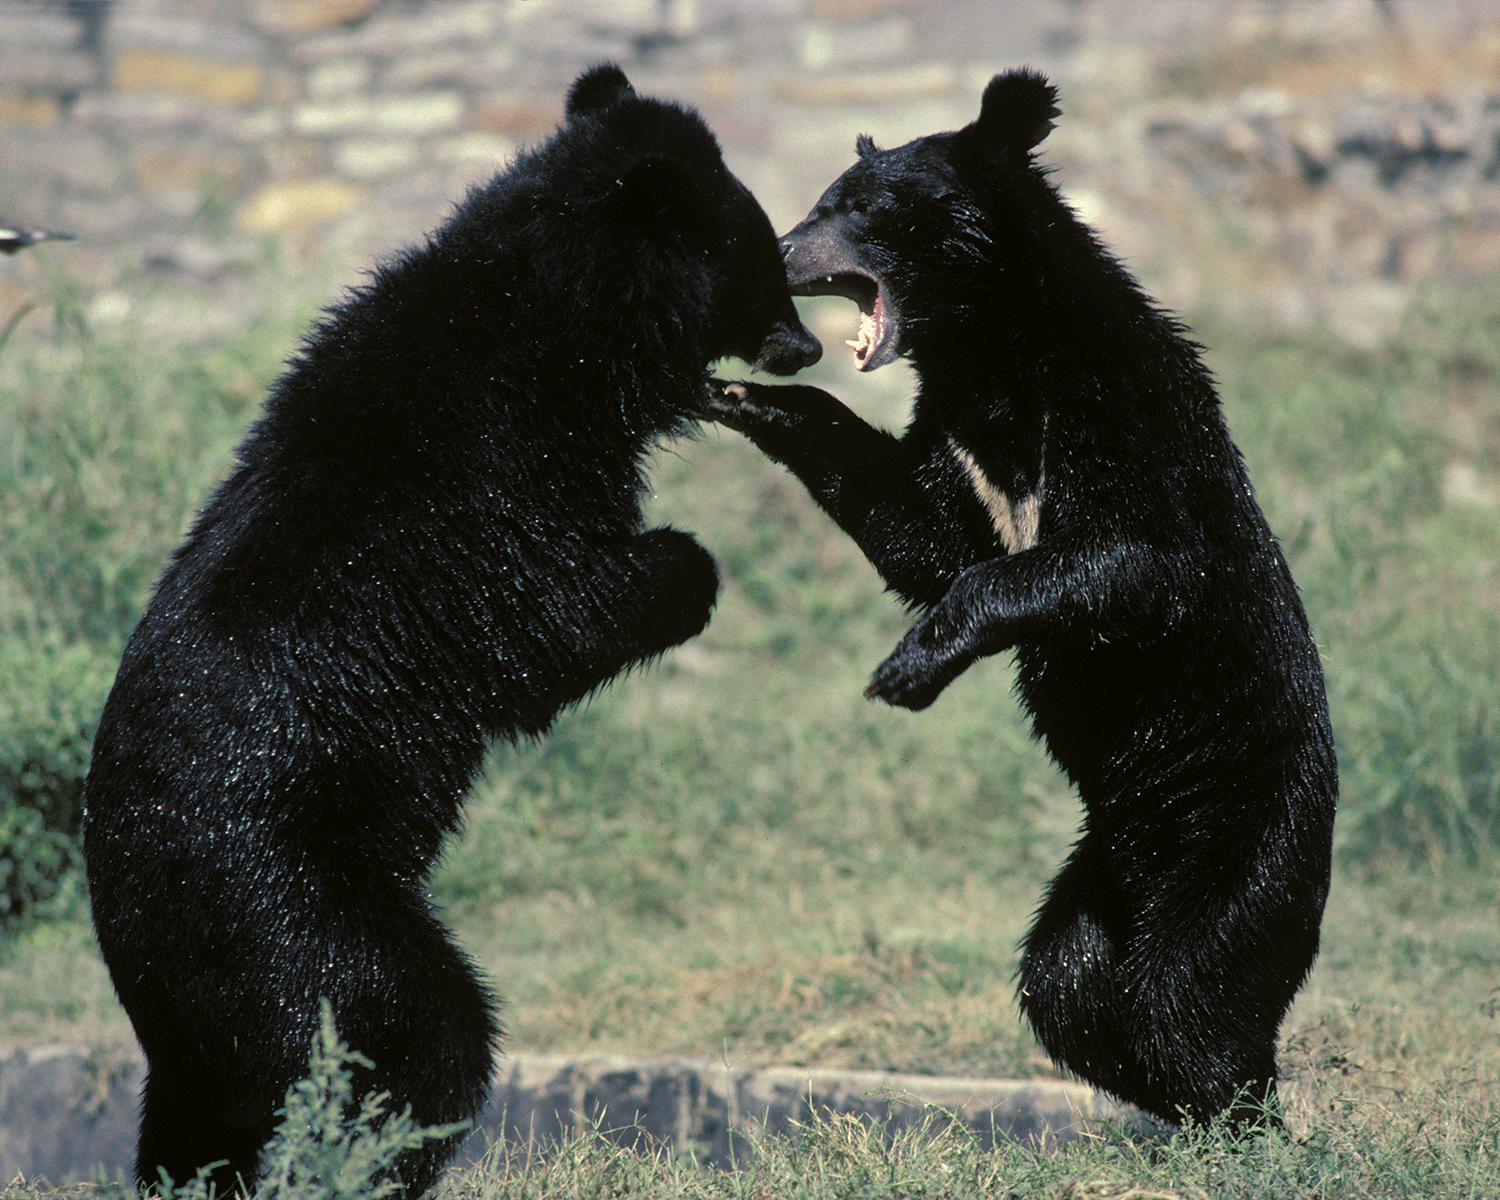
734	855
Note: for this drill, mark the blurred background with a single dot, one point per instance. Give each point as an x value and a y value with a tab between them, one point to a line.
733	854
1296	161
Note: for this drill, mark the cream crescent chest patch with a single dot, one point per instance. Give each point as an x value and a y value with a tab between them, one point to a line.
1015	521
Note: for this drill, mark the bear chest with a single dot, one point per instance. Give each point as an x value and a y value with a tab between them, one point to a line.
1016	519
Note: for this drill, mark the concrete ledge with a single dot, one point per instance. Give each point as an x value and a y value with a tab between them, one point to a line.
68	1113
717	1111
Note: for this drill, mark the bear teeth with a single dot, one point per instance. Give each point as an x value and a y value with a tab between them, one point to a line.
865	339
871	331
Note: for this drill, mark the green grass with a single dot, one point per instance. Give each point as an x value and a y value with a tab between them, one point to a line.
108	445
734	855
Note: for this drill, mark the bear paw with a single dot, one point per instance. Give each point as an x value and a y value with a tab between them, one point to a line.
684	585
921	666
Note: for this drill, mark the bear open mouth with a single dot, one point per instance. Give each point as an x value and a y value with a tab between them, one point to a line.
875	344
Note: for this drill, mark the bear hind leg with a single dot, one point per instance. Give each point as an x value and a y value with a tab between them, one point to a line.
431	1031
1170	1034
1068	978
183	1130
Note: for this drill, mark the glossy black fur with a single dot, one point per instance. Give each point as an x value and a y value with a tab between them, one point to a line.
1163	652
433	538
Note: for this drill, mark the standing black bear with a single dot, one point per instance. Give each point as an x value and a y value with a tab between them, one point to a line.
1067	487
433	538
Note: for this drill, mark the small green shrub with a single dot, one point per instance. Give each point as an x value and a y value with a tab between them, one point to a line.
48	706
326	1148
33	862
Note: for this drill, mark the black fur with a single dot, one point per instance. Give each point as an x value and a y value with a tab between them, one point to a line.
433	538
1067	488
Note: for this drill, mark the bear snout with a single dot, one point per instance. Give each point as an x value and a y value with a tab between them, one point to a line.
788	348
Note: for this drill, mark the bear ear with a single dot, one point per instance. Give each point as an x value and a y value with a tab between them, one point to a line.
660	192
1016	112
864	146
596	89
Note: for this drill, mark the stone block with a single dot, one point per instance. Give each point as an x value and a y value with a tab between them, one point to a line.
481	151
46	69
896	84
516	120
395	33
29	110
250	127
293	17
459	21
68	159
333	117
369	158
338	77
410	116
717	1111
40	52
118	115
35	28
104	218
823	44
634	1103
66	1114
420	113
149	69
294	158
859	10
1034	1112
211	30
165	165
472	64
289	205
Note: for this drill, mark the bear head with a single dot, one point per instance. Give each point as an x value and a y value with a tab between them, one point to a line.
673	190
971	194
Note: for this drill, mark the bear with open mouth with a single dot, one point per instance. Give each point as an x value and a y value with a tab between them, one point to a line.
1067	489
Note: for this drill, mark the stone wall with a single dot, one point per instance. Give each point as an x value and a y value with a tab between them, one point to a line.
1288	160
1302	159
130	119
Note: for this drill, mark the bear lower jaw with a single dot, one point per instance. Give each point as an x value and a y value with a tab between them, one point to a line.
875	345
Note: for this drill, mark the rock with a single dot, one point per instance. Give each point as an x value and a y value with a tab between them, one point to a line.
66	1114
69	1114
293	204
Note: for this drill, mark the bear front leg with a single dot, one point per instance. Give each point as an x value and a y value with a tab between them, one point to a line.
905	502
823	442
967	624
676	582
1127	590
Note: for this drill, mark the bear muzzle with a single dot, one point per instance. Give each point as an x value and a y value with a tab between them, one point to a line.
788	347
821	261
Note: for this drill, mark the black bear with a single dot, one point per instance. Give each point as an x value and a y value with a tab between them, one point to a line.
1067	487
433	538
